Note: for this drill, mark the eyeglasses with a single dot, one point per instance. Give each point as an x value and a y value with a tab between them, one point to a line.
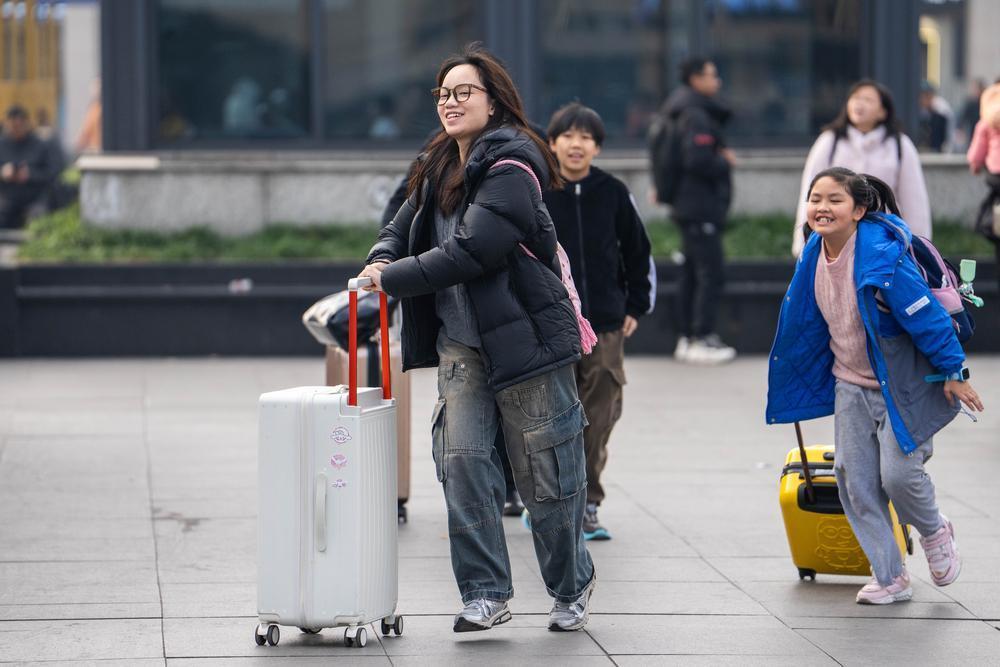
461	92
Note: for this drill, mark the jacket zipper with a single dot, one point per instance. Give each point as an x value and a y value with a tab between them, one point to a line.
584	294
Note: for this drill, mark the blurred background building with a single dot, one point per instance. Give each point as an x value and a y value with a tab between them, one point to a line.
312	108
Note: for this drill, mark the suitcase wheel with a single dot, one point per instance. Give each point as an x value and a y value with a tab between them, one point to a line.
805	573
310	631
356	636
269	635
395	625
401	514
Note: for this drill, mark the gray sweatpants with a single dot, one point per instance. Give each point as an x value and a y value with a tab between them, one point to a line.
871	470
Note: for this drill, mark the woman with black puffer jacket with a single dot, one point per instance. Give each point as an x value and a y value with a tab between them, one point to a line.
472	254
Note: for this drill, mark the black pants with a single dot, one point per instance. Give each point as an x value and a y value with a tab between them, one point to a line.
14	204
702	276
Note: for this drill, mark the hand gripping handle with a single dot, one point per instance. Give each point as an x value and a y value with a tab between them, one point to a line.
353	285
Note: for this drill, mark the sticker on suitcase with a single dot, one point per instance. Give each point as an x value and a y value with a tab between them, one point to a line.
340	435
338	483
837	547
338	461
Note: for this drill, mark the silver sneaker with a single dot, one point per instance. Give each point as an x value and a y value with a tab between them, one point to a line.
481	614
569	616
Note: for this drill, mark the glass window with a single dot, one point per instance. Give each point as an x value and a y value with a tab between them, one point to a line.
232	69
380	63
613	56
786	65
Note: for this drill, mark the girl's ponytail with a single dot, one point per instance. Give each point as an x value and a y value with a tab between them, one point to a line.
880	195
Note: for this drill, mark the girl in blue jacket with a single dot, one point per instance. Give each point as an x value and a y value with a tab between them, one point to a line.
858	334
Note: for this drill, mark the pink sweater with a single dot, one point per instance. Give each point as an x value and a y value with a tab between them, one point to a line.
873	154
985	148
838	301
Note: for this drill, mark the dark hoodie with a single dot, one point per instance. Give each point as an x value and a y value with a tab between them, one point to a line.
705	188
526	321
609	253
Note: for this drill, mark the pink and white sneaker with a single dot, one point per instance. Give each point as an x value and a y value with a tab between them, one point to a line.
875	593
942	554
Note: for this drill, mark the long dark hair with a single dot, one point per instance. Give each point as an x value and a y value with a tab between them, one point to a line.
893	127
440	164
865	190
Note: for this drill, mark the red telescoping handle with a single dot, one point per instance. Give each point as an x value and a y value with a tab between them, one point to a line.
353	286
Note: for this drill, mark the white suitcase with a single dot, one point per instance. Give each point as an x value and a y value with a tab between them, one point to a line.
327	526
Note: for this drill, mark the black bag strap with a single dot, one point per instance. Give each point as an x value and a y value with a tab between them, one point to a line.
810	493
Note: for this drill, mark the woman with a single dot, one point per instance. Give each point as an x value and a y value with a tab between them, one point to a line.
499	325
867	138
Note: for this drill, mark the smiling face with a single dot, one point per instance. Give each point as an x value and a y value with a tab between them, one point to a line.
864	109
463	121
832	213
575	149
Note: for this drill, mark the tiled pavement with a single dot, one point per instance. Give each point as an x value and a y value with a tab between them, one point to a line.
127	529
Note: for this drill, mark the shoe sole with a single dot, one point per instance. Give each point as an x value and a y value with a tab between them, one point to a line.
599	535
465	625
513	512
905	596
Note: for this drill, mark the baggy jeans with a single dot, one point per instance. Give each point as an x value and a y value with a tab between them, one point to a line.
871	470
543	423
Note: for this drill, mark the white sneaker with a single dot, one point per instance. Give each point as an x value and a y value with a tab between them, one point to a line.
709	350
680	352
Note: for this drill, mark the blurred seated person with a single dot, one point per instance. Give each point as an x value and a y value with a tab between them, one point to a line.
28	167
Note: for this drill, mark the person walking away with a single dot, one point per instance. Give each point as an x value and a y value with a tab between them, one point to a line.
695	180
984	153
27	169
499	325
867	137
858	334
599	227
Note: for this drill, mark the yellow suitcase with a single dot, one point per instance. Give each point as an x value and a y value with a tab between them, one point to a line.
819	536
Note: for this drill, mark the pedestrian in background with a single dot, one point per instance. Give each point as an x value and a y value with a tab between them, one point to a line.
858	337
866	137
28	168
499	324
692	173
984	153
599	227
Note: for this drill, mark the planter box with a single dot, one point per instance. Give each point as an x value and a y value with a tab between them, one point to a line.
255	309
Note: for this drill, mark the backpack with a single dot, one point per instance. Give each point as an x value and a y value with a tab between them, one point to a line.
943	280
665	156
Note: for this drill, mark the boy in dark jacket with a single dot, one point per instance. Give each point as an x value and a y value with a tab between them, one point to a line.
599	227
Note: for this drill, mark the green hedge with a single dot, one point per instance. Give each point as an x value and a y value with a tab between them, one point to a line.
62	237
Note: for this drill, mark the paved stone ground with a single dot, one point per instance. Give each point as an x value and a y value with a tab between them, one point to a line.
127	532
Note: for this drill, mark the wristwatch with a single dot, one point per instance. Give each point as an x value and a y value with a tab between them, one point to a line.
960	376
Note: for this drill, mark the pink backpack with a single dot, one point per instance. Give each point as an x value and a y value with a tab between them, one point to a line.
587	336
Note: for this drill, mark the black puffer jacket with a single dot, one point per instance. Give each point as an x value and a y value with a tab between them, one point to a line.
527	323
599	227
705	187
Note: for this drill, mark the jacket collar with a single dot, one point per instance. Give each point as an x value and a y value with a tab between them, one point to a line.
882	240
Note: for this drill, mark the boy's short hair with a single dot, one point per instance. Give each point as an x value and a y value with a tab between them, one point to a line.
576	115
692	67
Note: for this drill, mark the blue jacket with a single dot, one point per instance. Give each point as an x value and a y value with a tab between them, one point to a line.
909	336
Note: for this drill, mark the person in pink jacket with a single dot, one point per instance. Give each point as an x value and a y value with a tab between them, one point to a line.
984	151
866	137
